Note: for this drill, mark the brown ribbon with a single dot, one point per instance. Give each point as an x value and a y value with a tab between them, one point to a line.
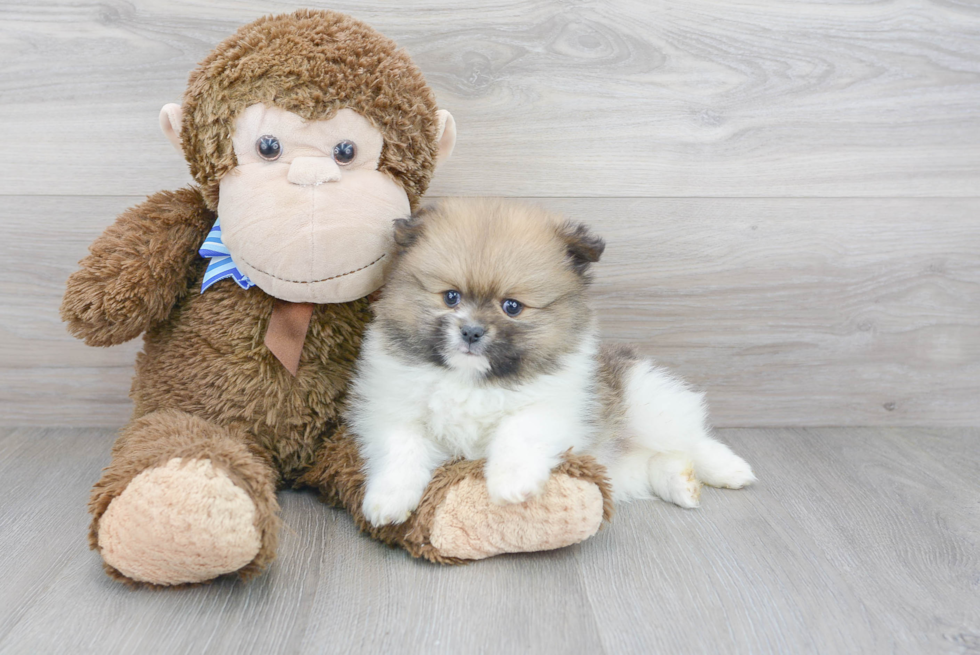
287	332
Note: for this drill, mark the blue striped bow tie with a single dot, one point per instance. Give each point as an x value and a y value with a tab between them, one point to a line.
221	265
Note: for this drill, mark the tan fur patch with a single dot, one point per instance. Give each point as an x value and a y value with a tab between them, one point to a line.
490	251
615	362
494	248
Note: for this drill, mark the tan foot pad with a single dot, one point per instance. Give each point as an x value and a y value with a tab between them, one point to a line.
468	525
178	523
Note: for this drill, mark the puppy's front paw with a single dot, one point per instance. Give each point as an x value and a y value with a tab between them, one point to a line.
389	504
509	484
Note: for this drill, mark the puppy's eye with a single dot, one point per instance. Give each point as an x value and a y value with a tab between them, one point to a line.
512	307
268	147
452	298
344	152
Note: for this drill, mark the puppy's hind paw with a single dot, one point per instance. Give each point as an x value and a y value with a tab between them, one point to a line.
717	466
738	476
672	479
684	489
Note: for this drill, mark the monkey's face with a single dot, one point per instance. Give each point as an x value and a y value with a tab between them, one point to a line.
306	214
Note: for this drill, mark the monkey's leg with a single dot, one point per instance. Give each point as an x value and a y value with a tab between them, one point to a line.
456	521
184	501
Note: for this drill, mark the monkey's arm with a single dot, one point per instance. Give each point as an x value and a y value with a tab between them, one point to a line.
136	271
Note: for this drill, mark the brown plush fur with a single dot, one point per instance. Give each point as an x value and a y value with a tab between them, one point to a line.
206	386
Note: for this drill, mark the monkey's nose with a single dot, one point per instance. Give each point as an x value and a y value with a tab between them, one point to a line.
307	171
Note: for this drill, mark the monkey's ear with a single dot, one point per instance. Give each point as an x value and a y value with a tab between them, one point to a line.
584	248
170	117
446	136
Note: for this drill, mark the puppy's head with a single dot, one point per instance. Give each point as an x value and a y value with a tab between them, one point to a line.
492	287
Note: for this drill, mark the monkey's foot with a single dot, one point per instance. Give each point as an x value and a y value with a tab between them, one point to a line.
467	525
183	522
456	521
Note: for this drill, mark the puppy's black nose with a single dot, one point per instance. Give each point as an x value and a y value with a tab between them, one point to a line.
472	333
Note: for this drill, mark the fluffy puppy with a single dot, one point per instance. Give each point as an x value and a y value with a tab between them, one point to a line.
484	346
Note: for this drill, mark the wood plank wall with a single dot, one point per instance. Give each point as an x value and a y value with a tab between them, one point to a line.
790	190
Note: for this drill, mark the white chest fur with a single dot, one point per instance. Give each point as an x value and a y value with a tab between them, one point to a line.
461	415
458	411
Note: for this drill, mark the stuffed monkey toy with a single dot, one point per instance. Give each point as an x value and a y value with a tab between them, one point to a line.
307	134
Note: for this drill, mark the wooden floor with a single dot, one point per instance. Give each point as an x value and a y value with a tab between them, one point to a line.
856	541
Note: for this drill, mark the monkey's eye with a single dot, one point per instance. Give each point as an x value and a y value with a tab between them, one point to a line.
268	147
452	298
512	307
344	152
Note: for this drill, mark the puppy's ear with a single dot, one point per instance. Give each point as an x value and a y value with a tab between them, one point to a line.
584	248
408	230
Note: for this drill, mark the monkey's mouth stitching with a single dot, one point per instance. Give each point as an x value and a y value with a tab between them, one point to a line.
326	279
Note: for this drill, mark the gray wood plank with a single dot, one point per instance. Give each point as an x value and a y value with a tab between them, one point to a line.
633	98
267	615
951	459
412	606
849	544
45	477
736	576
786	311
892	518
856	540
